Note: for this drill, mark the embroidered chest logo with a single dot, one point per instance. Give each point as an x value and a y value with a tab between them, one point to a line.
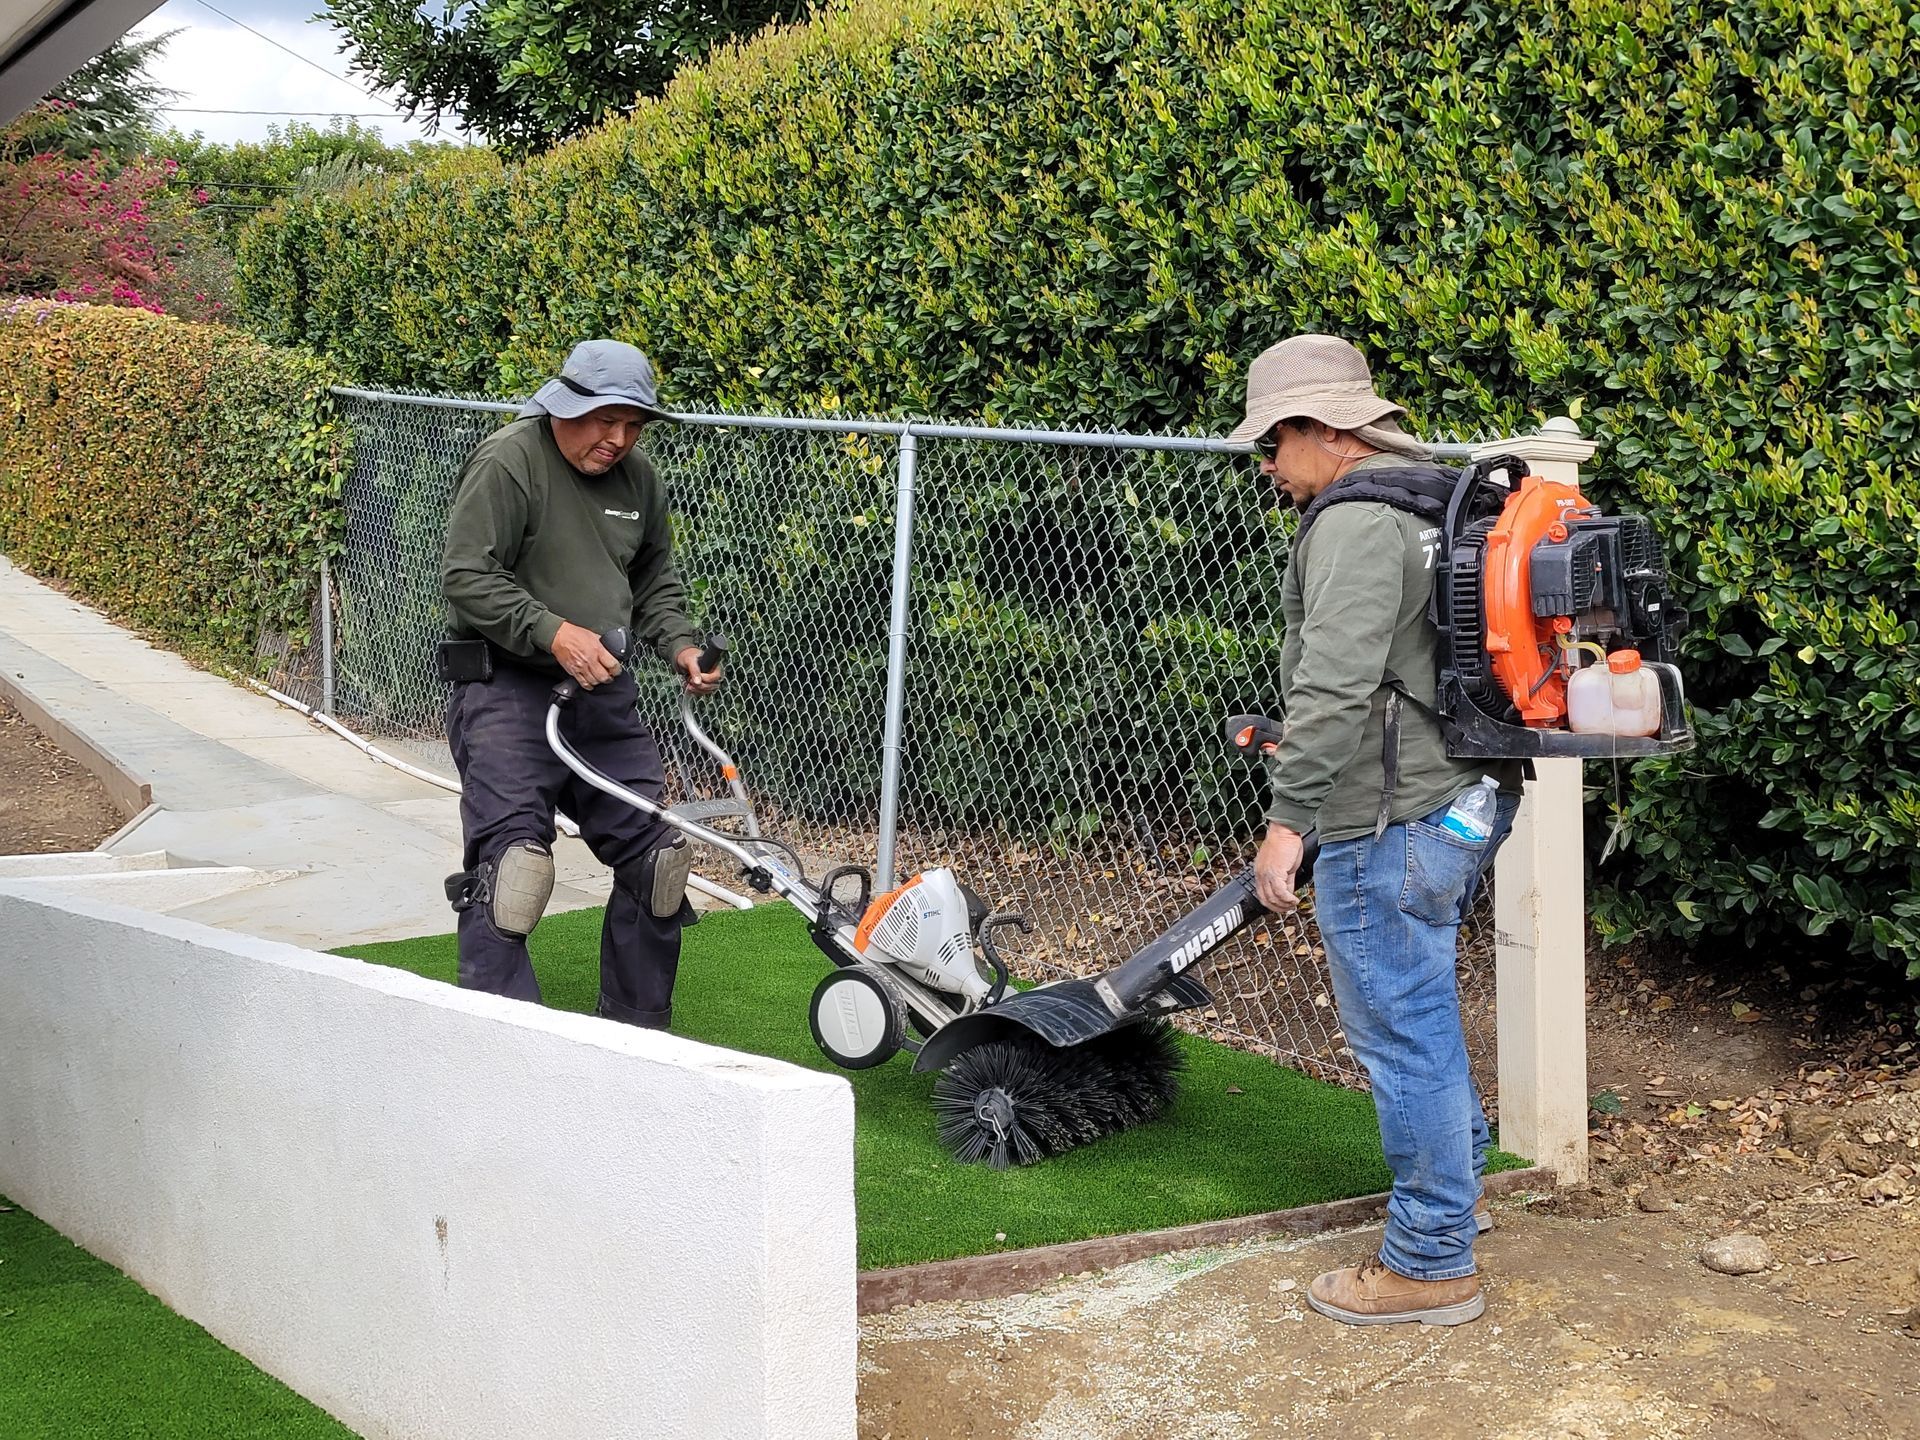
623	514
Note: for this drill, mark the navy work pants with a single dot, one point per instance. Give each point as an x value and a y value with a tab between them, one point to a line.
511	782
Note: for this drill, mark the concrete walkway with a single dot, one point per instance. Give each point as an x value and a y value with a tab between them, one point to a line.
238	779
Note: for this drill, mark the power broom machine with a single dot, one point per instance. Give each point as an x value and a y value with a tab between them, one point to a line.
1529	575
1027	1073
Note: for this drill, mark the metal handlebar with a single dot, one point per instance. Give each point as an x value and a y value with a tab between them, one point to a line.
999	920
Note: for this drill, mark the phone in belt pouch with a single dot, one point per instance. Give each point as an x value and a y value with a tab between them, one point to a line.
459	661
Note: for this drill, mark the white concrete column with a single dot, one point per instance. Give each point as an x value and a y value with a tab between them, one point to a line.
1540	920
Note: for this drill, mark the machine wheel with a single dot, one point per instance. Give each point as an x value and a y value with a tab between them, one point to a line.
856	1020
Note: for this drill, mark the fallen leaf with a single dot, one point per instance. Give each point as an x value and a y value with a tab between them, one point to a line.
1235	1090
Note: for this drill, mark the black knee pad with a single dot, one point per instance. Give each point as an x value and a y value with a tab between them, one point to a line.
658	879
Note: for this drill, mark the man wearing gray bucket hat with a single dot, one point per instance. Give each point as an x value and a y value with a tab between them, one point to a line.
559	534
1372	775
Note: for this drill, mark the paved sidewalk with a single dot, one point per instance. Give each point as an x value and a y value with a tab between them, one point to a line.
239	779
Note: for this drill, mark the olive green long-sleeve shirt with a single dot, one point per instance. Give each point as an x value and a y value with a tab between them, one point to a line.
532	542
1354	602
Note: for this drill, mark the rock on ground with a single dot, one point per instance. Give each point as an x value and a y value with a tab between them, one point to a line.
1737	1255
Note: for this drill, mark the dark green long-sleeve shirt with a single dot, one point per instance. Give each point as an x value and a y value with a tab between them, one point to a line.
1354	602
532	542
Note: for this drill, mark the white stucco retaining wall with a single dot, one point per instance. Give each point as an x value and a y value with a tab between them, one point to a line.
434	1213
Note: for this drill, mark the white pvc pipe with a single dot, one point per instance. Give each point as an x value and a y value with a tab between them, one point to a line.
709	888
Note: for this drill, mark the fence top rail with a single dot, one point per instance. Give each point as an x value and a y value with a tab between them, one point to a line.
1089	439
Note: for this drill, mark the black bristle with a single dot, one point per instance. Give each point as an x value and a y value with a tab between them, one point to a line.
1012	1102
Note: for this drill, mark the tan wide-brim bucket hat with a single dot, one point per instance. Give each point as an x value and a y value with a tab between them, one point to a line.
1319	377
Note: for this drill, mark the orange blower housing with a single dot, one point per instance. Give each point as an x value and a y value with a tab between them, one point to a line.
1523	647
1529	569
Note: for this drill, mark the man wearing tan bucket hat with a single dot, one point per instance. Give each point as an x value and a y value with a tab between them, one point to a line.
1364	763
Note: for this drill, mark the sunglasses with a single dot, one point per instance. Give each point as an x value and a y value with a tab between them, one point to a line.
1268	445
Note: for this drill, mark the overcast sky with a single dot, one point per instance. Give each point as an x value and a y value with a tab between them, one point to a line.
216	64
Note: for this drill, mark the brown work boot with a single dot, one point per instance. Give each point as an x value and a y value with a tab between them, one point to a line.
1371	1294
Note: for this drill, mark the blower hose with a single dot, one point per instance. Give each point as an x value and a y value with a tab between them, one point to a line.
1012	1102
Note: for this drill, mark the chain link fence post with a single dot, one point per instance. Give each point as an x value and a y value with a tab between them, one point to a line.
326	636
898	620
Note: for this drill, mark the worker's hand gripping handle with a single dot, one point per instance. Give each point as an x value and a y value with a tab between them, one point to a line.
617	643
712	653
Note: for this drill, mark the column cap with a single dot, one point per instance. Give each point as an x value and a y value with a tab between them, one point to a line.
1556	439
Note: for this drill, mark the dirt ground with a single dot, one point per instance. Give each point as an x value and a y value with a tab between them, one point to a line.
1718	1110
47	802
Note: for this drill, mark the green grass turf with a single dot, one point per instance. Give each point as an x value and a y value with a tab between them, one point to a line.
86	1352
1244	1136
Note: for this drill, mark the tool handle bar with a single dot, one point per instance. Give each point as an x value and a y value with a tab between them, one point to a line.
1195	935
801	895
999	920
711	656
617	643
1254	735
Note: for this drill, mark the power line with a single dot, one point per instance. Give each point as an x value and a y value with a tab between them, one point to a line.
342	114
304	60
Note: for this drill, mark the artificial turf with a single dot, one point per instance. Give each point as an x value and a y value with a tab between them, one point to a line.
1244	1136
85	1351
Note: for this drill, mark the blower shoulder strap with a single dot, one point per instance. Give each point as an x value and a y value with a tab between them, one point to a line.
1418	488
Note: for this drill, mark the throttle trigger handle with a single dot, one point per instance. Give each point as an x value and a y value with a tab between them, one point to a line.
619	643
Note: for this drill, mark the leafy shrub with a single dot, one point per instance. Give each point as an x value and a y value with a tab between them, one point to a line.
182	477
1695	221
231	182
99	230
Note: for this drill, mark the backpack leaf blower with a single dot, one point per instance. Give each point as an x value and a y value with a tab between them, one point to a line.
1531	578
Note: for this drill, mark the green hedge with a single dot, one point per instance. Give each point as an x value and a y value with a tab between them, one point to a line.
184	478
1697	222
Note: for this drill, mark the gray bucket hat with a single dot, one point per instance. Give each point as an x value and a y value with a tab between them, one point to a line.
599	373
1318	377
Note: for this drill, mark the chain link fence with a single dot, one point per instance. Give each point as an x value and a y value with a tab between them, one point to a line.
1077	617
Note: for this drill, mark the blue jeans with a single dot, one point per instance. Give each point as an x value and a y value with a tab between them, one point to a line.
1389	913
